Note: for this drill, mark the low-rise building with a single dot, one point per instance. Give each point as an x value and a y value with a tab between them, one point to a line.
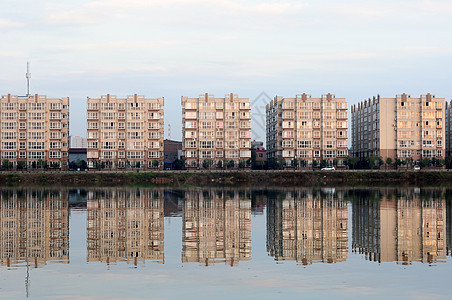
172	151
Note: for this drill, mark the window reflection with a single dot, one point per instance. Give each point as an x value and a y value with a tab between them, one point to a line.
307	226
34	227
216	227
400	225
125	225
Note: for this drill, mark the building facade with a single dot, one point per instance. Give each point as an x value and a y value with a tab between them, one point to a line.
306	130
216	132
399	128
172	151
77	142
448	128
125	132
34	131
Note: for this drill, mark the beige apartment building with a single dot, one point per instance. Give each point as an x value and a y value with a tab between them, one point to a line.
34	131
307	228
34	227
307	129
400	128
216	227
125	132
125	225
216	132
400	229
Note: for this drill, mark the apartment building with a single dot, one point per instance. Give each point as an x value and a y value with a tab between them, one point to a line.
402	229
125	132
400	128
216	132
307	129
125	225
216	227
34	227
34	131
448	128
307	228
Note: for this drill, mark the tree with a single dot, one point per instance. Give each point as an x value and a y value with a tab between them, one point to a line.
83	165
6	164
179	164
260	165
448	162
155	163
253	157
282	163
272	164
388	162
380	162
323	163
220	164
303	163
425	162
231	164
315	163
206	163
242	164
335	162
295	163
21	165
248	163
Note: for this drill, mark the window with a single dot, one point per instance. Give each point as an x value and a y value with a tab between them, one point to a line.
8	145
55	145
55	154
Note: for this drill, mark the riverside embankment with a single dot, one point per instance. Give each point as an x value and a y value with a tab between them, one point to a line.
229	178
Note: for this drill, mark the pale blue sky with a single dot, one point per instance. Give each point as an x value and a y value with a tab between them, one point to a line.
354	49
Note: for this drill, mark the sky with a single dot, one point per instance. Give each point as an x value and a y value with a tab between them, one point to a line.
257	49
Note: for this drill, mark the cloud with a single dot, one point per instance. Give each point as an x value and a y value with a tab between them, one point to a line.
377	9
121	45
98	12
4	23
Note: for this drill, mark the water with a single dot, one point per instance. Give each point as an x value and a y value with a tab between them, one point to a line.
205	243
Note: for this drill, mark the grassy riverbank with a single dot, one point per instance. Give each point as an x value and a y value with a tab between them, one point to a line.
228	178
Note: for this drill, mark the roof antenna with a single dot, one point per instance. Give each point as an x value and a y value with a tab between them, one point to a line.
28	76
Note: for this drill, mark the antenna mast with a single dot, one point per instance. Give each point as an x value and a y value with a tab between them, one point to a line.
169	131
28	76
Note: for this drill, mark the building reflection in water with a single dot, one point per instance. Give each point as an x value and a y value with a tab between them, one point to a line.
307	226
400	225
449	225
125	225
34	227
216	226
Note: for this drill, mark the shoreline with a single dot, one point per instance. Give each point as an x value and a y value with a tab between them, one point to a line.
272	178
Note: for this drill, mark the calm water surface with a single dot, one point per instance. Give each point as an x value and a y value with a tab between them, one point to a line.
135	243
